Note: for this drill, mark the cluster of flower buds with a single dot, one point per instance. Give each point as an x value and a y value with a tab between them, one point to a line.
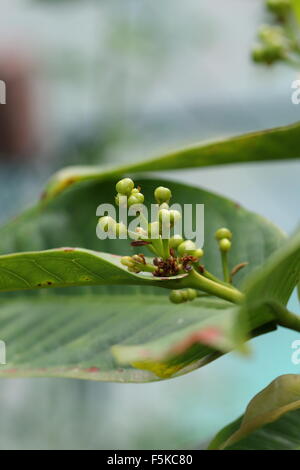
128	193
171	255
277	41
135	263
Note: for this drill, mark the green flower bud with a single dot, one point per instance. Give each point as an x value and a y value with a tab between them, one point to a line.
176	297
134	269
162	194
121	229
225	245
138	259
175	241
127	261
137	198
186	247
185	295
106	223
191	294
125	186
223	233
198	253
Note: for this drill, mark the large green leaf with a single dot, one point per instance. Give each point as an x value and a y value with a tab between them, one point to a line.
97	328
275	144
73	336
271	420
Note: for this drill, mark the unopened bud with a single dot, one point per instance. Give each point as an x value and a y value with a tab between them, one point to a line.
127	261
162	194
225	245
223	233
136	198
125	186
186	247
198	253
176	297
175	241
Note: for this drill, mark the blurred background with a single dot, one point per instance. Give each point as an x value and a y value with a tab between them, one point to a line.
104	81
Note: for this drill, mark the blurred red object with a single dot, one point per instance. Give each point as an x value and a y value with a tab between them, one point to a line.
17	129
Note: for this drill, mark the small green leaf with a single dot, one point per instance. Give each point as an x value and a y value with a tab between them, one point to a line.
67	267
271	420
279	276
274	144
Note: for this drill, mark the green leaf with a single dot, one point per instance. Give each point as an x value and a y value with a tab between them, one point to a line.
282	269
270	287
118	323
271	420
80	336
68	267
274	144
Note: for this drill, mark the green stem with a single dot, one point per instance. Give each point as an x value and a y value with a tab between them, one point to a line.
149	268
197	281
216	279
166	248
284	317
152	249
158	246
224	257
